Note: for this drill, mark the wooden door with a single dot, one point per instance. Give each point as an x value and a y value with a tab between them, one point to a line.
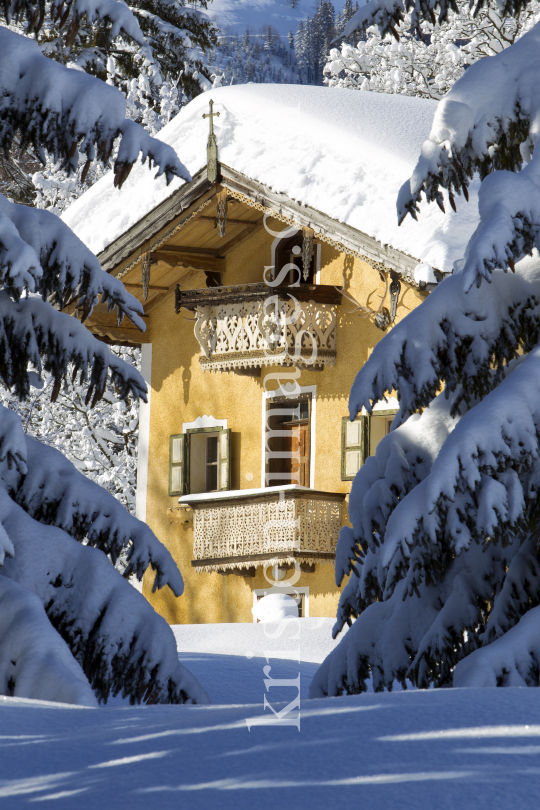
297	447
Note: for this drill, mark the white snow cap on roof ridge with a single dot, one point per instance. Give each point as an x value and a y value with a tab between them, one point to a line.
343	152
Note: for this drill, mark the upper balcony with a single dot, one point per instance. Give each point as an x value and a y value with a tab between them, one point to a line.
243	529
248	326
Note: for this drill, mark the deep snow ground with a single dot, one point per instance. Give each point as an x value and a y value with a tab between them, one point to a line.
460	749
228	659
438	749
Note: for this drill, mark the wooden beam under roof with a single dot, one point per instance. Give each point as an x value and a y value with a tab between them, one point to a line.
247	223
185	249
169	214
138	285
159	299
119	334
211	263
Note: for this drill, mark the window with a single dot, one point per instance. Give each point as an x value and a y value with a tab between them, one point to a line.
199	461
359	439
288	251
287	441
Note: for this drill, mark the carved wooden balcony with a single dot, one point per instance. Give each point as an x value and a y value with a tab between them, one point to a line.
253	325
243	529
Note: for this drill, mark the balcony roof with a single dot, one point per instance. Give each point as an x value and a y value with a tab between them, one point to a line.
288	490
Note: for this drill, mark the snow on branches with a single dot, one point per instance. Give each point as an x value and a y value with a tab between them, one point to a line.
444	546
462	341
387	15
102	441
39	253
71	627
443	553
488	122
70	14
67	112
35	662
121	644
429	63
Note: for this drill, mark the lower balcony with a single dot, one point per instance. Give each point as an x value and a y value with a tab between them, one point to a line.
244	529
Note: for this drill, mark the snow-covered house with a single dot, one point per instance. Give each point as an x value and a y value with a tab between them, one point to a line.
266	282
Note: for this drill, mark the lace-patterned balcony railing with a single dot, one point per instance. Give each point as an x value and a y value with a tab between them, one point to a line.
253	325
243	529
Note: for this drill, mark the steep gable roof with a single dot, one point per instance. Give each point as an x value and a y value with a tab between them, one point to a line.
341	153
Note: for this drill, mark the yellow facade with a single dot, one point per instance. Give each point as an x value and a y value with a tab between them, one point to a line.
181	392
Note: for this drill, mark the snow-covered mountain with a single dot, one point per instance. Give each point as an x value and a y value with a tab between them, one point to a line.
235	16
276	41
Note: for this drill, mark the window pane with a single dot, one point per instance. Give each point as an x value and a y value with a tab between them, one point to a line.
224	474
352	462
353	434
177	450
224	444
176	479
211	477
211	449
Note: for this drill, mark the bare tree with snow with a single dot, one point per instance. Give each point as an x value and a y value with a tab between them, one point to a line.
101	441
427	61
71	627
444	550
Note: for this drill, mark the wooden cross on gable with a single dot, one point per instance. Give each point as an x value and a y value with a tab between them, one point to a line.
211	147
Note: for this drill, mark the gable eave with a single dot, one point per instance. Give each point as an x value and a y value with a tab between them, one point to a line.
152	226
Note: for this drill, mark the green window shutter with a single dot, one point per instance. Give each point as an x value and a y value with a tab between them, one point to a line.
177	464
354	444
224	482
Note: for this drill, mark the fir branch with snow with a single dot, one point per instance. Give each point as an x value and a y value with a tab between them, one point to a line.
444	550
60	533
153	51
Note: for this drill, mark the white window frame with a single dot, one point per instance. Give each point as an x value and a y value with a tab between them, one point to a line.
288	589
200	423
291	390
204	422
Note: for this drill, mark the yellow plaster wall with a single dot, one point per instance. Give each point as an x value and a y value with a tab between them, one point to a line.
181	392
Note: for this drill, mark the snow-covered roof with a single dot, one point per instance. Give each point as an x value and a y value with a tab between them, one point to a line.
342	152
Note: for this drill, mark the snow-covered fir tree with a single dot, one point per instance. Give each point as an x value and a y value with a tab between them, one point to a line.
345	15
258	56
444	548
71	627
312	42
156	76
426	62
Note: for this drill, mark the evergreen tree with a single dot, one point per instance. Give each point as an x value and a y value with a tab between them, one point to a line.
290	39
444	548
156	57
95	635
261	57
312	41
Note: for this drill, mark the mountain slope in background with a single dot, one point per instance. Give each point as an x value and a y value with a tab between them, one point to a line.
234	16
